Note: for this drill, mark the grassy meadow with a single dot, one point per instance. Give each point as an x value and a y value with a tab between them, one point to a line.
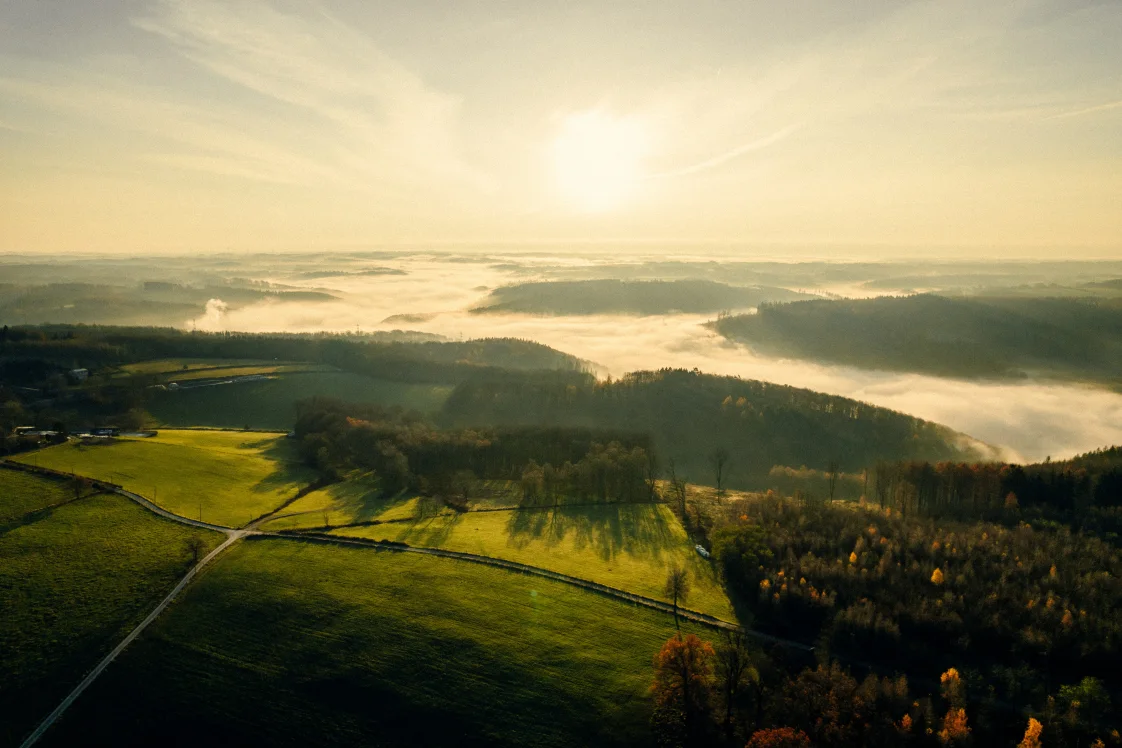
295	643
23	493
234	477
628	546
178	369
271	403
73	581
358	499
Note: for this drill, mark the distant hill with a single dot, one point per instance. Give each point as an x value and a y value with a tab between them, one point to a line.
148	303
1072	339
688	415
629	297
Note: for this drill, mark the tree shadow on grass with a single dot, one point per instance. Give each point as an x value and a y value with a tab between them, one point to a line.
432	532
640	530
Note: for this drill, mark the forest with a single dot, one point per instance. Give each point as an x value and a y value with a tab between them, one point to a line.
689	415
633	297
989	337
1026	615
553	465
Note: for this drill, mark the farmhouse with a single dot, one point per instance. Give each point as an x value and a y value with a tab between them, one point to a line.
78	375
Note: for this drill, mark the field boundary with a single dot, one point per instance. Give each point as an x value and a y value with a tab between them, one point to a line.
603	589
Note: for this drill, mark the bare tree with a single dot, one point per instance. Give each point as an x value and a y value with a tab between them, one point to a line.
81	486
677	589
195	546
719	459
733	668
678	487
652	475
832	477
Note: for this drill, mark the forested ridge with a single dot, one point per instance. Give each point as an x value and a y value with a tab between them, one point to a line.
635	297
1077	339
689	415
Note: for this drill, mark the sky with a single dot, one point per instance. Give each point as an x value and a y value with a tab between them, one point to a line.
211	125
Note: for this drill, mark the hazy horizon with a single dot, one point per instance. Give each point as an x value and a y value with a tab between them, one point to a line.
192	125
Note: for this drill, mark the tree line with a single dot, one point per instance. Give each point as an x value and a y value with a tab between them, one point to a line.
406	451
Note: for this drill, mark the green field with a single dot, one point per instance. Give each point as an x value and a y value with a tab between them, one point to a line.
358	499
627	546
22	493
196	366
354	500
271	403
73	581
232	477
293	644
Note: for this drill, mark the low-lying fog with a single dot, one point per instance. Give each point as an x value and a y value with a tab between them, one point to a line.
1028	420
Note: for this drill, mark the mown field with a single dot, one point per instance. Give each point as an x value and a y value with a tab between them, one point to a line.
230	477
23	493
628	546
73	581
271	403
292	644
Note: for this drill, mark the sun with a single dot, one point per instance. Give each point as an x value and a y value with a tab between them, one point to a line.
598	160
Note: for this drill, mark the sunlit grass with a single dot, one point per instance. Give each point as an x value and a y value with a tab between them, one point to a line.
294	644
229	478
627	546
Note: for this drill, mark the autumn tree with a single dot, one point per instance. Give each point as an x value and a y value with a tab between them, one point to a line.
779	737
677	588
1032	735
683	680
955	730
825	703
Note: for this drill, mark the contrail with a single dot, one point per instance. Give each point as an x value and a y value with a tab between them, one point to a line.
709	163
1088	110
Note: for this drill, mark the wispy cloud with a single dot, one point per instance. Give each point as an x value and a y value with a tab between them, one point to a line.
288	96
1086	110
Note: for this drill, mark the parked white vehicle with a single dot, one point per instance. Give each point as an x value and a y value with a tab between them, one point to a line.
701	550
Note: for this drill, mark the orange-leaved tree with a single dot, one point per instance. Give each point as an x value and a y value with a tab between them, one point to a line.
1032	734
684	678
779	737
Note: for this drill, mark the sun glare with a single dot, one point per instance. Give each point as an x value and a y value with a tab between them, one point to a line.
598	159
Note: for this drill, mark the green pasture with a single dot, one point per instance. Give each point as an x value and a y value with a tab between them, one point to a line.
195	366
73	581
627	546
271	403
229	477
22	493
292	643
358	499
